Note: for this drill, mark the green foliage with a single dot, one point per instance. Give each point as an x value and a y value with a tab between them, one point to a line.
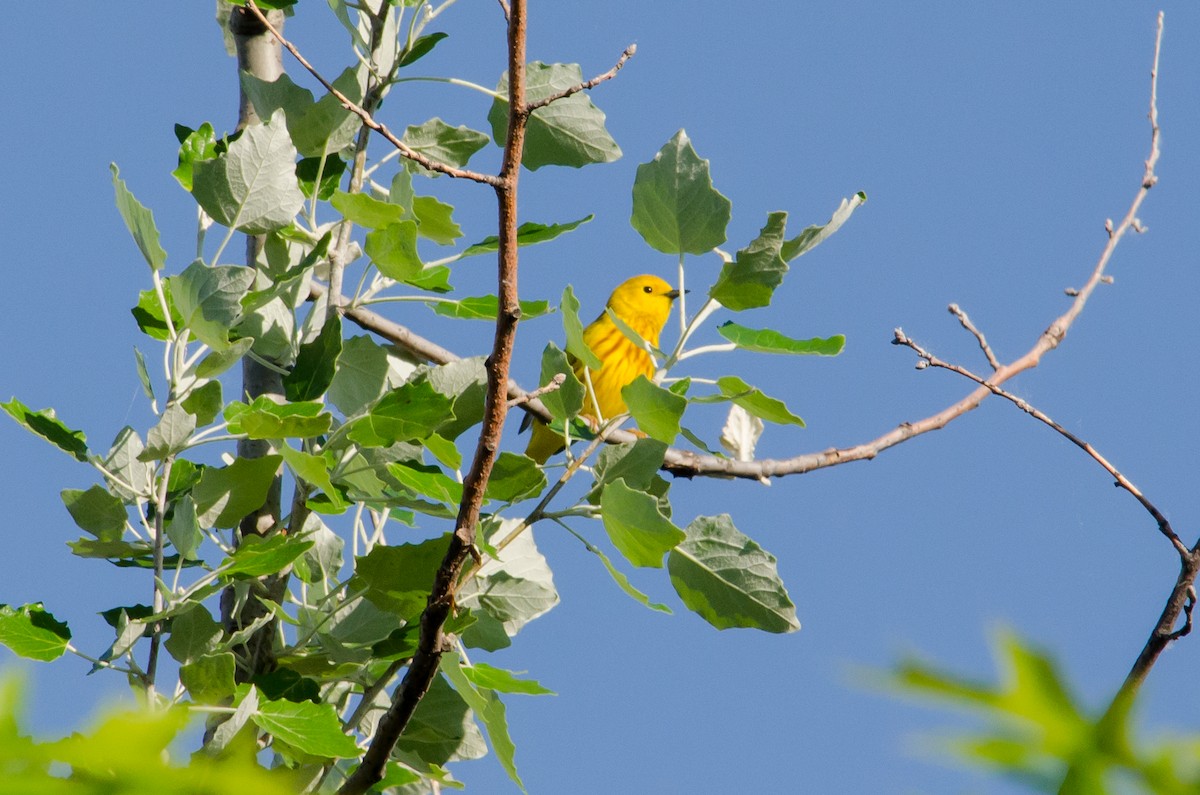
568	132
656	410
728	579
566	401
131	751
636	526
251	187
675	207
771	341
31	631
573	328
365	446
1038	734
139	221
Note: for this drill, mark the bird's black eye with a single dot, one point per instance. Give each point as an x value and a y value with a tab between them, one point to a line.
647	289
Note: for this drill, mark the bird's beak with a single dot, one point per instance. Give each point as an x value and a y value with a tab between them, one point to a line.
673	294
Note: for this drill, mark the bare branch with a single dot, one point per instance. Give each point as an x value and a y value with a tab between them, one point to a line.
969	326
629	52
552	386
369	120
1164	525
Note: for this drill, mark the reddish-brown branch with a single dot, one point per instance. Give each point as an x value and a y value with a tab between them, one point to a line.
432	643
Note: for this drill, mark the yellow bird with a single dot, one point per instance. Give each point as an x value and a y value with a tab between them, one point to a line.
643	303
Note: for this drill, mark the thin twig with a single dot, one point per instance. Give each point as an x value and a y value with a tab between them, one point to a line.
969	326
1164	525
551	386
628	53
367	118
160	512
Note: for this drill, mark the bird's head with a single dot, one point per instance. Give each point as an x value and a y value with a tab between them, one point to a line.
643	302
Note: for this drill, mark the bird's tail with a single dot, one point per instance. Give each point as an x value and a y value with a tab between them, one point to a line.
543	443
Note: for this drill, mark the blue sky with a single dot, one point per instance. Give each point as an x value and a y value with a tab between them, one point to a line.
992	142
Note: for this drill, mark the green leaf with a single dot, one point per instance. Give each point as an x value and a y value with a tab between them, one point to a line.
484	307
398	578
315	363
813	236
210	300
252	187
258	555
204	403
323	560
443	450
286	684
143	374
434	220
636	527
393	249
96	511
149	314
225	495
31	631
139	221
219	361
528	234
488	708
127	471
366	370
728	580
573	329
309	728
568	132
508	591
434	278
316	128
481	674
566	401
656	410
440	729
194	145
170	435
771	341
636	463
440	142
623	582
364	210
753	400
194	633
419	49
750	280
209	679
46	425
266	419
314	469
183	528
514	478
427	481
330	169
410	412
676	210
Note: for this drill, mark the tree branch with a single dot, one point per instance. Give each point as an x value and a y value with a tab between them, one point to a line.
432	643
1164	525
629	52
